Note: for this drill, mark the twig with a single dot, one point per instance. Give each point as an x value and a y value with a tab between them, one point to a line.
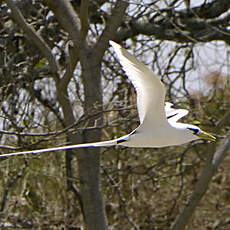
122	199
10	185
220	124
31	34
201	186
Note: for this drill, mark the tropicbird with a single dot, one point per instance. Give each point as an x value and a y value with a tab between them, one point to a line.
159	126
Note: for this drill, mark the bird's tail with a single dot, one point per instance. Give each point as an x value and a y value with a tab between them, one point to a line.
86	145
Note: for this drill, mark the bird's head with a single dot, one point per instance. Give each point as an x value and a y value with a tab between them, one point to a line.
200	134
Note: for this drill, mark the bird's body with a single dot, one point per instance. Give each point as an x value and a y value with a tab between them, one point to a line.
159	126
156	137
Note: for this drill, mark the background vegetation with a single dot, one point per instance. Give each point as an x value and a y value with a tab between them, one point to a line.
60	84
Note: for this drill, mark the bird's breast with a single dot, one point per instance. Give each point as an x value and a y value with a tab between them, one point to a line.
156	137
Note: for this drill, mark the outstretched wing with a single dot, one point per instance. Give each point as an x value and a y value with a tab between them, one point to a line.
173	114
150	90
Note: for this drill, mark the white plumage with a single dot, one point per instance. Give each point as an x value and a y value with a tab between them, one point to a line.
159	126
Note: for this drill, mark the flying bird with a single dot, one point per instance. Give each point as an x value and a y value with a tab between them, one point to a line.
159	126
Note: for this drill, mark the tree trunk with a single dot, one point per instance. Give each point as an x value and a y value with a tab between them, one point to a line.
89	158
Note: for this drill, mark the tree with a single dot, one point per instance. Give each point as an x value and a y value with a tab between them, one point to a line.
60	85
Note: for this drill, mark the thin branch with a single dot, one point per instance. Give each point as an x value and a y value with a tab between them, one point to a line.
70	21
221	153
9	186
77	123
84	18
79	197
220	124
31	34
67	18
183	25
67	130
121	198
45	102
112	24
201	186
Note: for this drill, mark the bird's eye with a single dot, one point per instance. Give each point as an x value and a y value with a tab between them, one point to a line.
194	130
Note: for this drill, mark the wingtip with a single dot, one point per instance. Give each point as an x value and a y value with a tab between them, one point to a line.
111	42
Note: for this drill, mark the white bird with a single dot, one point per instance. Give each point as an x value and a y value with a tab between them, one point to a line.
159	126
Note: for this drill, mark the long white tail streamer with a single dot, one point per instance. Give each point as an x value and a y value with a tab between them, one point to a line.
85	145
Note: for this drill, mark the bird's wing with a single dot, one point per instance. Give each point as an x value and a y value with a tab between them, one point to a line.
172	114
150	90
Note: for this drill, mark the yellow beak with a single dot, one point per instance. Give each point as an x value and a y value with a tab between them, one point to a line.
206	136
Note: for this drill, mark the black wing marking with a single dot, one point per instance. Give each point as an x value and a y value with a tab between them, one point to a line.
173	115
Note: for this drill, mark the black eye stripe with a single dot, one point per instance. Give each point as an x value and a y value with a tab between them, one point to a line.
195	131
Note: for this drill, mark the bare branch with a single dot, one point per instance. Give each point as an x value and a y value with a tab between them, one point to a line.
70	21
10	185
67	18
31	34
212	9
201	187
111	27
223	121
84	18
195	25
